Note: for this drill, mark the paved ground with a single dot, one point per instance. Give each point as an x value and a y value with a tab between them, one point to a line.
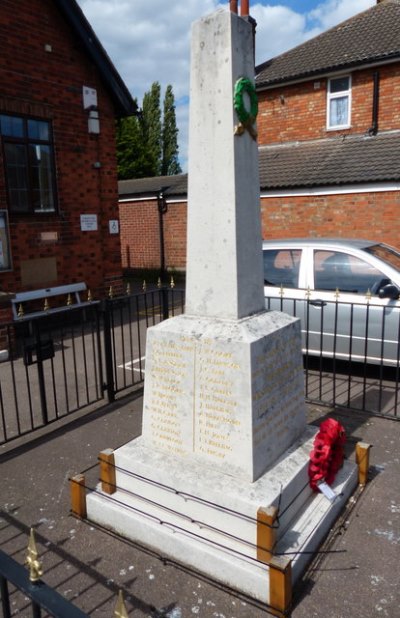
355	575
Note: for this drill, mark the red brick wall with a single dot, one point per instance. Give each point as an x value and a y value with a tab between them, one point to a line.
298	112
364	215
372	216
48	85
140	235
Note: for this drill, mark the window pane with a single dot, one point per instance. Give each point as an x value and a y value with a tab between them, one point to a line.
335	270
339	84
11	126
16	166
281	267
339	112
42	187
38	129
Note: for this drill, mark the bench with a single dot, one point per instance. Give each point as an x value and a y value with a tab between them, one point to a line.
71	292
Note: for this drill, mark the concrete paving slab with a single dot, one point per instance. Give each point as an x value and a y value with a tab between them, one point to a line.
355	573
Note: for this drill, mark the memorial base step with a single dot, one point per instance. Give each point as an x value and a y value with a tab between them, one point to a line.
207	520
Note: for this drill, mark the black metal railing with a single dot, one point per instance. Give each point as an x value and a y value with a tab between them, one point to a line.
126	320
63	362
38	595
351	352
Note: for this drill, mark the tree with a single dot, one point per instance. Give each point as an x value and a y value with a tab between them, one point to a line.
170	162
133	159
147	146
151	120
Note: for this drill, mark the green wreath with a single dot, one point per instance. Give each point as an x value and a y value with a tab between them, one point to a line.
246	117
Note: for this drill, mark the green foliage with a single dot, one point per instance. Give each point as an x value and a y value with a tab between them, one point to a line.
148	146
170	162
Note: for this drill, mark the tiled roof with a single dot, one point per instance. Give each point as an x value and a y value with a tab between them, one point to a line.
334	161
330	162
368	37
169	185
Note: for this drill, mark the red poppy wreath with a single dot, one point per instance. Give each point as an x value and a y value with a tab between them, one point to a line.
327	455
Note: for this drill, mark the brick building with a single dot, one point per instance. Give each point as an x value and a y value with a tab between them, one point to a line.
60	96
329	145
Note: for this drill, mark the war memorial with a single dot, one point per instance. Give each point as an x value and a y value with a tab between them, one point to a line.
218	480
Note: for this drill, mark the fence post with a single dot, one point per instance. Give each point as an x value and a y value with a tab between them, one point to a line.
108	352
362	459
41	381
266	532
164	302
280	585
5	597
107	471
78	495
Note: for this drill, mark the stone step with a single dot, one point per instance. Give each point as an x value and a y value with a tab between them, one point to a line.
313	521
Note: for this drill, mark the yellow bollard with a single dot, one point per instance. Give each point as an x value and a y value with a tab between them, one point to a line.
266	533
78	496
107	471
280	585
362	460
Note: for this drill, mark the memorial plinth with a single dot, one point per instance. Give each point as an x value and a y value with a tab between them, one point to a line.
224	429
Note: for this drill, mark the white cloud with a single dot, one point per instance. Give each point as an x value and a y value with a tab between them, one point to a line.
330	13
149	40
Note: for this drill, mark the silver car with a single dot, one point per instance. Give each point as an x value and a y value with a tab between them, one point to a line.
345	292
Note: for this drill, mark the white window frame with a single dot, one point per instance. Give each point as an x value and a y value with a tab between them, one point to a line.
336	95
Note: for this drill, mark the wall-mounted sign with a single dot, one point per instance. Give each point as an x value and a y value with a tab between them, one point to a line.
88	223
113	226
5	254
89	97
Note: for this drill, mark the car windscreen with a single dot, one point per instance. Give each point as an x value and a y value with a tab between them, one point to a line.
386	254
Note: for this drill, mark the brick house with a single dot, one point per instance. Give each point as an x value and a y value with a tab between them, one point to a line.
329	145
60	96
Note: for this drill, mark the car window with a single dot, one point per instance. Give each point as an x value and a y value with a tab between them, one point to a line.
347	273
281	267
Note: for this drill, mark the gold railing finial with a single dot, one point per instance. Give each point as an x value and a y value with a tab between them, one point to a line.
120	609
368	295
35	567
172	284
69	300
337	293
46	305
281	291
159	284
89	296
111	292
144	286
20	311
128	289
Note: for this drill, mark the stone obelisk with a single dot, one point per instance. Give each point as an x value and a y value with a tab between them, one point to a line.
224	414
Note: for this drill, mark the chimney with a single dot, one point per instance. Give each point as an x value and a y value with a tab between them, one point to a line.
233	6
244	8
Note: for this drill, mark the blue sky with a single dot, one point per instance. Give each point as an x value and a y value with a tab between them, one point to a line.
148	40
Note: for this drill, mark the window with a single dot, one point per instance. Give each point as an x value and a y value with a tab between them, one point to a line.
29	163
334	270
339	102
281	267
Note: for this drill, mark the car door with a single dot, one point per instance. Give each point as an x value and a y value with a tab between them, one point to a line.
283	275
345	318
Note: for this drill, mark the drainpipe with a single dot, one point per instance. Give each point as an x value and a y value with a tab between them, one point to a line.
162	209
373	130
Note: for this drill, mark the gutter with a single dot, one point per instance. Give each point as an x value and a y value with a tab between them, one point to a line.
123	101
